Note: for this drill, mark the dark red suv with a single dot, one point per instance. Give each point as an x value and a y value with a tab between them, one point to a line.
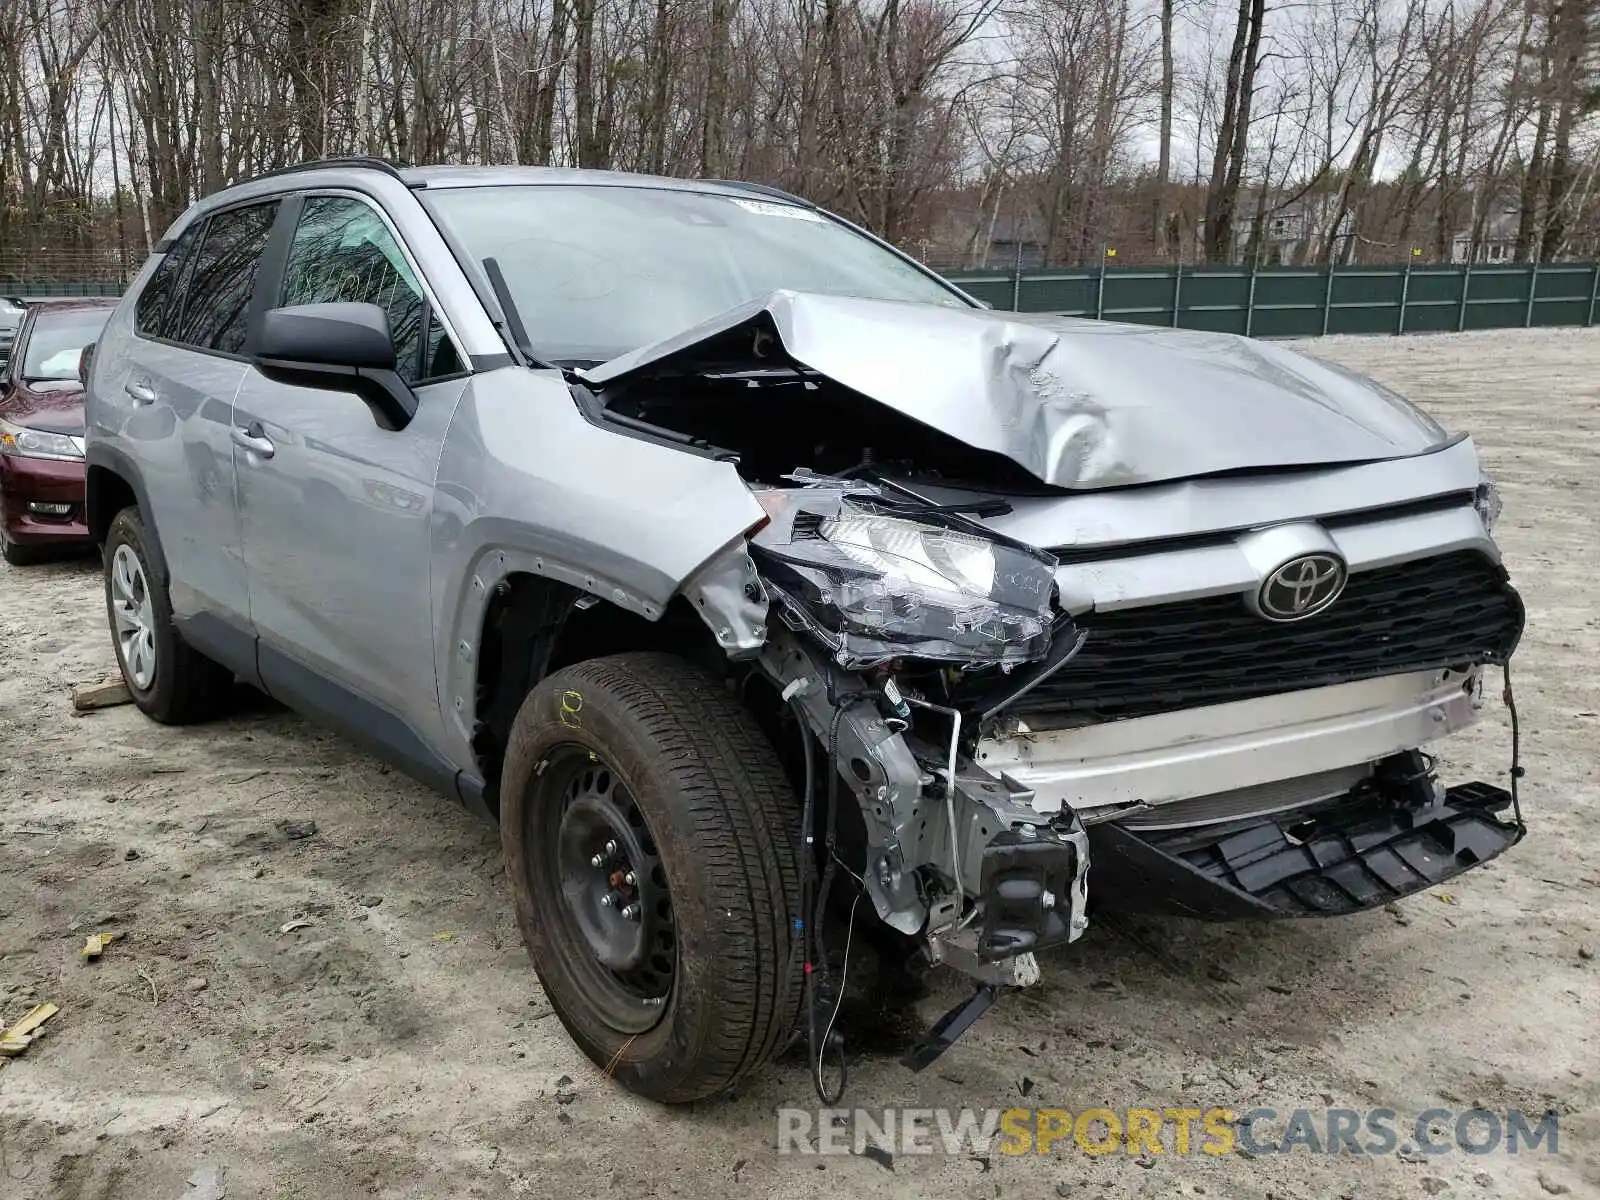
41	428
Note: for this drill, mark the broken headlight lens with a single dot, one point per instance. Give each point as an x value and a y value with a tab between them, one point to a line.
878	581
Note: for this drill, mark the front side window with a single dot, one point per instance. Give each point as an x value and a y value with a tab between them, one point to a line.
596	271
216	297
56	342
344	253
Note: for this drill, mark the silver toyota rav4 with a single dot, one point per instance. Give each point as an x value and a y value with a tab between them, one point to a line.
771	593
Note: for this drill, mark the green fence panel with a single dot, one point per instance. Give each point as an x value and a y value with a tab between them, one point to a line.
1069	292
1562	294
993	290
1139	296
12	285
1215	298
1498	297
1433	299
1288	302
1366	300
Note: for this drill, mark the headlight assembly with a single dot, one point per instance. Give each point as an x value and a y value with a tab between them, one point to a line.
876	580
23	442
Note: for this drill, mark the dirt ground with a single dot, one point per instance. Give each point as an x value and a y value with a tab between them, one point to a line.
398	1045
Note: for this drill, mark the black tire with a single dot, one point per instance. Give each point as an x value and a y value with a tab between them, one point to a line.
719	811
185	686
21	556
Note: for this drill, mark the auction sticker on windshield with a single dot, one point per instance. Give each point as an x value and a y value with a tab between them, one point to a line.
766	208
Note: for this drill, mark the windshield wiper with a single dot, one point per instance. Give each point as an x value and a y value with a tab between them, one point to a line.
514	328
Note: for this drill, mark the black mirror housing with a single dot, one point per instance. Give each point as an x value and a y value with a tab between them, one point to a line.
342	347
334	335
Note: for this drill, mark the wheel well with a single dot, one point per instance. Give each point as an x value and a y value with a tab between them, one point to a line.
107	494
534	626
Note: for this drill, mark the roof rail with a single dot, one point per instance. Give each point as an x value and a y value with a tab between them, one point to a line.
762	188
370	162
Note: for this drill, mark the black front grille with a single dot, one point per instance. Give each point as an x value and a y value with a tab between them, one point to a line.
1436	612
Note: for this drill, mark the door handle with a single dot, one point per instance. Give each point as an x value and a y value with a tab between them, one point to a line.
142	393
253	438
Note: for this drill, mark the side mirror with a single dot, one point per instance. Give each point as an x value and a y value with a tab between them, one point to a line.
85	360
342	347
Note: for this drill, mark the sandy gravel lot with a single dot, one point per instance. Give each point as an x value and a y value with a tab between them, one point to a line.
399	1047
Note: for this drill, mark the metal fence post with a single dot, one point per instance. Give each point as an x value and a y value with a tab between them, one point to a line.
1177	292
1594	292
1100	286
1466	286
1327	298
1533	290
1250	300
1405	294
1016	279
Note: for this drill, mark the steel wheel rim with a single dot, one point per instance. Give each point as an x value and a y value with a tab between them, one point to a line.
597	839
133	615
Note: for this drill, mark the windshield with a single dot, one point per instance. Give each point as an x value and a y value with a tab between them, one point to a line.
56	342
597	271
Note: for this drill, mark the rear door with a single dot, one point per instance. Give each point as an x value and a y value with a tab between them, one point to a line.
170	391
336	518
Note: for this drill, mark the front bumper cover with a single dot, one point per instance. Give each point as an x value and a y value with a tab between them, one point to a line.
1360	853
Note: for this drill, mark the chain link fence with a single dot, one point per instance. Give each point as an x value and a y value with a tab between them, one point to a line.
66	272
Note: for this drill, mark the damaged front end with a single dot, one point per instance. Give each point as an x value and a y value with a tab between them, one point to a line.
868	610
996	710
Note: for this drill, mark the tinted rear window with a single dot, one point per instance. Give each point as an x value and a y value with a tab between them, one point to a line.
216	299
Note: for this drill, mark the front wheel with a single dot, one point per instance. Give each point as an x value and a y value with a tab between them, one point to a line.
650	839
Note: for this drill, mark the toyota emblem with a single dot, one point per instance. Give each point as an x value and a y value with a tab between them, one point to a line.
1302	587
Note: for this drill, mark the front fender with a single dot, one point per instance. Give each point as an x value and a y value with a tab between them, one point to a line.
528	484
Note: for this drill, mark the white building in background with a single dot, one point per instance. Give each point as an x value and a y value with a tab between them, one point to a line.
1498	244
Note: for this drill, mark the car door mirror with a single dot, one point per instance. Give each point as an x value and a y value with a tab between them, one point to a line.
342	347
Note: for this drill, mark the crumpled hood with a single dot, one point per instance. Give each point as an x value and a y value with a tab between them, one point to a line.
1077	403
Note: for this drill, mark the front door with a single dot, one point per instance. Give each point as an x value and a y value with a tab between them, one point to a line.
335	507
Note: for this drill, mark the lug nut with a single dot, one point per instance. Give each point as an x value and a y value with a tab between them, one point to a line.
608	900
597	861
629	879
611	849
631	912
1048	900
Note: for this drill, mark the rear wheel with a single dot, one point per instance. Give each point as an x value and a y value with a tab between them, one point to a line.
168	679
650	841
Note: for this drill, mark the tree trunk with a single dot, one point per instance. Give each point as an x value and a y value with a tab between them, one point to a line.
1233	131
1158	227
